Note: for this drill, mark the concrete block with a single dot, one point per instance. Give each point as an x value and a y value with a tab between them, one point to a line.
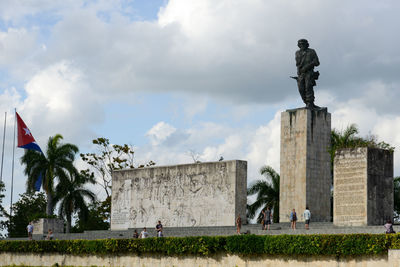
42	226
200	194
305	164
363	186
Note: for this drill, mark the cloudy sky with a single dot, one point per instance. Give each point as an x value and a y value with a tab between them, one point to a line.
182	77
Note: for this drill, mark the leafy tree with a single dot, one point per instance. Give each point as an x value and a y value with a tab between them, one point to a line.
3	212
267	191
71	194
107	159
29	207
349	139
55	165
96	219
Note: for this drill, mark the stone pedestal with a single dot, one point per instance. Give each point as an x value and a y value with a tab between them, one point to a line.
363	187
42	226
305	164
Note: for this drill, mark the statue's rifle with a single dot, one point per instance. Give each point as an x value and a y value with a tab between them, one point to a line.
295	77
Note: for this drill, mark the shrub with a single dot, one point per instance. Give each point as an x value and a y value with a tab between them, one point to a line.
327	245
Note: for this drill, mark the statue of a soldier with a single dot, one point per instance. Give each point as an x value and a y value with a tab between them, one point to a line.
306	60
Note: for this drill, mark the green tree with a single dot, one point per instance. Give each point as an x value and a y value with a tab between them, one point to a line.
349	138
96	219
71	194
267	191
107	159
53	166
343	139
3	212
29	207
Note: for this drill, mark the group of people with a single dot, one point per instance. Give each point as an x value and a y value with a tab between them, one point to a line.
145	234
29	229
266	219
306	216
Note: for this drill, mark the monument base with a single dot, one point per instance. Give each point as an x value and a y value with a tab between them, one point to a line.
305	164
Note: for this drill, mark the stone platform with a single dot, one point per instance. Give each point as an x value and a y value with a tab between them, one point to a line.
276	229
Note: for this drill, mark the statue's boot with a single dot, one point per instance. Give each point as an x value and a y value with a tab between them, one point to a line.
312	106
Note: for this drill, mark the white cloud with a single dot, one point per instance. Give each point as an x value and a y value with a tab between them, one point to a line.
265	147
59	100
63	72
259	146
238	51
15	45
160	132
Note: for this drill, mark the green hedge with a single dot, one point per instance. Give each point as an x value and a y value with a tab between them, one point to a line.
334	245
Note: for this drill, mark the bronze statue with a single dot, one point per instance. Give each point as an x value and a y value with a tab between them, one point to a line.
306	60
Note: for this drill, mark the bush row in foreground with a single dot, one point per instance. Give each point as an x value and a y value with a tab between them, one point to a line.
329	245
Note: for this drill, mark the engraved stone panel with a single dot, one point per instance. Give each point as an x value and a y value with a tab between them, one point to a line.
363	186
305	163
201	194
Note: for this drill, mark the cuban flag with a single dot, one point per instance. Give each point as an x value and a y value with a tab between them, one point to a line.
26	140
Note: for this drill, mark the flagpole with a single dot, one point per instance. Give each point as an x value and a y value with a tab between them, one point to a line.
12	170
2	153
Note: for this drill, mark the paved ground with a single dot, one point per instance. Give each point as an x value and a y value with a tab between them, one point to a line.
275	229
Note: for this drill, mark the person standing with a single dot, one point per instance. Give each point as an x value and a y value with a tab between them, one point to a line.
263	220
293	219
144	233
307	217
238	224
135	234
159	229
267	219
29	228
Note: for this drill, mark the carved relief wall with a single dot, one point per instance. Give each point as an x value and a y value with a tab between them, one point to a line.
201	194
363	186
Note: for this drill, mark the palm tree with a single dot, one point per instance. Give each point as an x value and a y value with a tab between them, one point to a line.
348	139
344	139
267	191
52	166
72	194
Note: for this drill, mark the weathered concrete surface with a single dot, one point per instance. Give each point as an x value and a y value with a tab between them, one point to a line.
363	186
200	194
391	259
42	226
305	164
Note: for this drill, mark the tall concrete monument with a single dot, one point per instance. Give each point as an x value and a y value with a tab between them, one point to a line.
305	139
200	194
305	163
